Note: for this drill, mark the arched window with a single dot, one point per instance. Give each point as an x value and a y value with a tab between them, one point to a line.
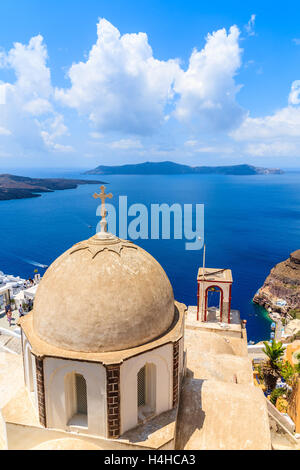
81	395
141	386
213	304
146	391
76	400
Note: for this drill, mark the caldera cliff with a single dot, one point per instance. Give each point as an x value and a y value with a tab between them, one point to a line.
281	290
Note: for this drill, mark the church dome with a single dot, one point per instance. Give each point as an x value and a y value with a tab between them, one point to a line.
103	294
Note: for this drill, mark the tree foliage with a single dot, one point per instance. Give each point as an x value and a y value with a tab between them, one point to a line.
274	351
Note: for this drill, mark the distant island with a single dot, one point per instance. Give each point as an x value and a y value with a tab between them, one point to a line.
171	168
21	187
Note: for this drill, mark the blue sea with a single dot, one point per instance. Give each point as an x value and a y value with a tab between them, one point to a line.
251	223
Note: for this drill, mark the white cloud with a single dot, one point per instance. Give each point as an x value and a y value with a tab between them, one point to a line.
53	129
27	112
126	144
29	64
294	93
296	41
4	131
220	149
124	93
96	135
274	149
250	26
207	89
275	135
190	143
121	86
283	123
38	107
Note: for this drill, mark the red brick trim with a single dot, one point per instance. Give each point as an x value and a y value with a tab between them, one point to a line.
175	372
113	401
41	390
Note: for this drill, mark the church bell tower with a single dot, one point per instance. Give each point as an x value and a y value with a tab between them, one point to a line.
219	281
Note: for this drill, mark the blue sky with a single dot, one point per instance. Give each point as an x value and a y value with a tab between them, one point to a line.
85	83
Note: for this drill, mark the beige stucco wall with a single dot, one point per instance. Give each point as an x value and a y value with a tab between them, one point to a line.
162	358
27	437
3	436
55	371
216	415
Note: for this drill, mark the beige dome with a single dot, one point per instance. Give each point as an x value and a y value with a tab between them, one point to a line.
103	295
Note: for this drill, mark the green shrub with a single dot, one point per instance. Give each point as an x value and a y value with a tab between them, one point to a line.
260	373
288	372
277	392
295	313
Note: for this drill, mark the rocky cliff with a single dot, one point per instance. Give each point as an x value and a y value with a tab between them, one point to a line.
281	290
20	187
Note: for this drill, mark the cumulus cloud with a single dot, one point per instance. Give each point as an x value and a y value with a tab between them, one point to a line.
207	89
121	86
126	94
283	123
29	64
277	134
27	110
51	130
122	89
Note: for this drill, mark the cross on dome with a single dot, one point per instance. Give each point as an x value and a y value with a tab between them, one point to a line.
103	197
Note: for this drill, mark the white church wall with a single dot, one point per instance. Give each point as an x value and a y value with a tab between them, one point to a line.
162	358
56	395
25	345
30	371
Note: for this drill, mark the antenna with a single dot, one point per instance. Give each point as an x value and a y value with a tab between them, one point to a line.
202	284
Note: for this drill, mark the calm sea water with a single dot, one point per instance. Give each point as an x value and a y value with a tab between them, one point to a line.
251	223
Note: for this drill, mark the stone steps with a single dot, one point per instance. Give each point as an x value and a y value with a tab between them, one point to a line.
10	343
